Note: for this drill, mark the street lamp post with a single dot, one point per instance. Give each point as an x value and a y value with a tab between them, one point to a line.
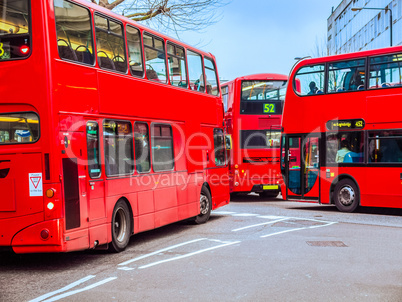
385	9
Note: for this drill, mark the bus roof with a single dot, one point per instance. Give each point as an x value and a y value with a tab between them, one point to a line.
347	56
140	26
260	77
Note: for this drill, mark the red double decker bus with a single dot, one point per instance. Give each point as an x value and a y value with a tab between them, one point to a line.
342	132
107	128
253	111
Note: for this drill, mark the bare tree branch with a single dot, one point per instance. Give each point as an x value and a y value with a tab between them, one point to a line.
169	15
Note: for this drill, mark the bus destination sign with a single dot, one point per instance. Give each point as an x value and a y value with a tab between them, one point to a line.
269	108
345	124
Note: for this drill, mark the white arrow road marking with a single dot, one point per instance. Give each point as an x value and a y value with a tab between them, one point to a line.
190	254
298	229
67	294
259	224
162	250
66	288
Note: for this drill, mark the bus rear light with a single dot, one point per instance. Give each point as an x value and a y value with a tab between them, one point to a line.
49	193
236	184
50	206
44	234
24	49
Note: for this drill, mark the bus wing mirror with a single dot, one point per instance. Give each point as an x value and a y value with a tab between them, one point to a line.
228	142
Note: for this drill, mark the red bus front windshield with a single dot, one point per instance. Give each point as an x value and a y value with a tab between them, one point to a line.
14	29
262	97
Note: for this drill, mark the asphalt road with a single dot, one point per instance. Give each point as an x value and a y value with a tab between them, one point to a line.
250	250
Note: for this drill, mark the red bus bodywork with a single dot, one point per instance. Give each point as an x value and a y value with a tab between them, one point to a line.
67	96
362	118
252	169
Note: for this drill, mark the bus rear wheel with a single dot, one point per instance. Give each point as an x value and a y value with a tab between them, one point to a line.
205	206
121	227
346	196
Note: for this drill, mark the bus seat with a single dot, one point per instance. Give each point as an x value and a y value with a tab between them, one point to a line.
105	62
84	57
66	52
353	157
120	66
348	158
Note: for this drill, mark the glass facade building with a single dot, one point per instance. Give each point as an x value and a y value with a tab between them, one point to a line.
351	31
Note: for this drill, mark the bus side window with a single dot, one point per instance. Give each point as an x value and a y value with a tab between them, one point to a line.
211	77
110	44
195	71
155	61
119	159
162	148
346	76
225	97
134	51
74	39
94	167
385	146
345	147
141	141
219	146
177	65
309	80
385	71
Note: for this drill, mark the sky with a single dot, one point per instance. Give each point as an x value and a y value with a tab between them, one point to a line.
264	36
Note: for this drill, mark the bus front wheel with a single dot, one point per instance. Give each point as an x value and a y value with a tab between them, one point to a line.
346	196
121	227
205	206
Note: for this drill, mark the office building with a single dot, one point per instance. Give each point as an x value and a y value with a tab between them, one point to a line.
369	28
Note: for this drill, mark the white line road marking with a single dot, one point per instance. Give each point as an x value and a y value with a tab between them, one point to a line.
80	290
190	254
244	215
223	212
259	224
270	217
125	268
66	288
162	250
298	229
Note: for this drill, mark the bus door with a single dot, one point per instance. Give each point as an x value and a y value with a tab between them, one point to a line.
302	167
74	187
95	187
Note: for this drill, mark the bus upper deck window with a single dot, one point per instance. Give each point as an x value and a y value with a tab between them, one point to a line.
346	76
211	77
177	65
74	39
310	80
385	71
15	39
19	128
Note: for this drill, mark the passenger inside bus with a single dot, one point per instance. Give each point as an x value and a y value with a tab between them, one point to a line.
152	75
199	84
357	83
342	152
313	88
